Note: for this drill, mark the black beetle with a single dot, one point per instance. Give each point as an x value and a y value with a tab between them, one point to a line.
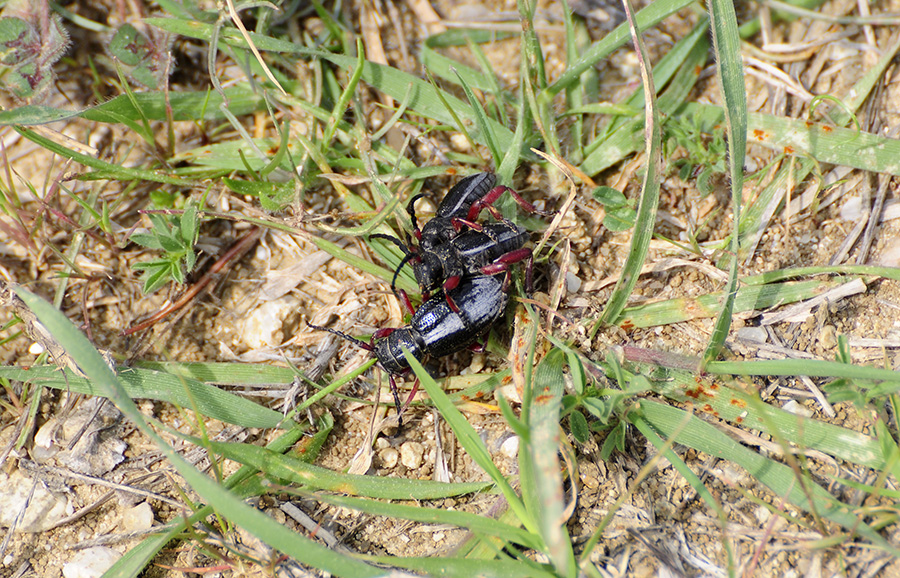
489	250
452	244
436	329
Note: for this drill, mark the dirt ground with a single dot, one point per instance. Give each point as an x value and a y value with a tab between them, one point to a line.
663	527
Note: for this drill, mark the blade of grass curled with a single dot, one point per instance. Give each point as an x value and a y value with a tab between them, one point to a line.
779	478
471	442
727	46
232	506
646	213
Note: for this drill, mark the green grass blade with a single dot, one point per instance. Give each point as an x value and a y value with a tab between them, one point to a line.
209	400
731	402
186	106
112	170
483	525
464	568
471	442
628	138
750	298
542	483
399	85
646	212
727	45
296	470
481	120
825	143
453	70
646	18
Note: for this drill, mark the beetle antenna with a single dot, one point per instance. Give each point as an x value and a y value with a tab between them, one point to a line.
411	209
392	239
409	257
351	339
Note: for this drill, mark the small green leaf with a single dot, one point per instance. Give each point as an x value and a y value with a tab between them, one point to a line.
609	196
189	224
146	240
170	243
619	219
614	441
177	273
155	279
598	408
163	199
579	426
129	45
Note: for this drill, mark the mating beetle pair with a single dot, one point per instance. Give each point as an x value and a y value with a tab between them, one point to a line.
453	245
460	257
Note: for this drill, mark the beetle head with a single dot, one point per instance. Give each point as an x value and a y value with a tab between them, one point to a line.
430	272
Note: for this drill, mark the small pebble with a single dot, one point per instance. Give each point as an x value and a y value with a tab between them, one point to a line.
757	334
510	447
45	507
389	458
91	563
573	283
796	409
411	455
828	337
138	518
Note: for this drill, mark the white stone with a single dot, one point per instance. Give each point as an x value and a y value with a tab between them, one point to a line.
91	563
510	447
388	457
262	327
573	283
757	334
45	510
412	455
138	518
795	408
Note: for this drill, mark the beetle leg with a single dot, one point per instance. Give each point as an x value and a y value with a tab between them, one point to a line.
487	202
382	333
451	283
504	261
460	224
404	299
396	400
479	346
412	394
